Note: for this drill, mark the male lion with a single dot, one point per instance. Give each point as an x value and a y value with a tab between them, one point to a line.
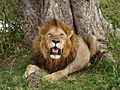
58	50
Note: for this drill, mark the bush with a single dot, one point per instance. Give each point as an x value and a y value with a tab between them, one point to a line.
11	32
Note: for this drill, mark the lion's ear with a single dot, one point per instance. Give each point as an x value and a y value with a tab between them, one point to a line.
70	33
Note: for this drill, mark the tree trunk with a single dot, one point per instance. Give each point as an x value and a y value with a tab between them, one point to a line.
83	15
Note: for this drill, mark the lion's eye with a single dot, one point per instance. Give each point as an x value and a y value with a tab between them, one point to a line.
61	34
49	34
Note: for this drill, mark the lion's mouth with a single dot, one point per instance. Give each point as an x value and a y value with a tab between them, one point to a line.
55	52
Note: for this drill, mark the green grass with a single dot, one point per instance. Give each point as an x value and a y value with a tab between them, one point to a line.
11	74
101	75
111	11
113	43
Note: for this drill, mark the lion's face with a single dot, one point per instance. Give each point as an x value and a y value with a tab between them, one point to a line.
55	40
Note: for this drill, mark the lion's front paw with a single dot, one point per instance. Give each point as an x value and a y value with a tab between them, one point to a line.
31	69
51	77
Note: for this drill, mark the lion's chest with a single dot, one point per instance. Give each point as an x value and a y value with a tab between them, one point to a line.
54	65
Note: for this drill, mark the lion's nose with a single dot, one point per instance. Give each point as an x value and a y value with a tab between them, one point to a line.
55	41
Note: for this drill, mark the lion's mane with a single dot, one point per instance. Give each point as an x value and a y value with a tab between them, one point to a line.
40	50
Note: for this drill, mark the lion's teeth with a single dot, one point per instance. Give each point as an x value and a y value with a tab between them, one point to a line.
55	56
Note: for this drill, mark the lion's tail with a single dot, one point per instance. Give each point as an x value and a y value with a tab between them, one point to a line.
91	41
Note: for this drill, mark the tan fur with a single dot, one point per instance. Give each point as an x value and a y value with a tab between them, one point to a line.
76	50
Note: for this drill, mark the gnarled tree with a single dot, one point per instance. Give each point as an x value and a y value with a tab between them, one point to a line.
84	16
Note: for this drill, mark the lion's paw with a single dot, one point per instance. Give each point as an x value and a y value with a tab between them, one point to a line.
31	69
51	77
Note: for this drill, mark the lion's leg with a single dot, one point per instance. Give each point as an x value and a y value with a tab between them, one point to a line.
32	69
91	41
57	75
73	67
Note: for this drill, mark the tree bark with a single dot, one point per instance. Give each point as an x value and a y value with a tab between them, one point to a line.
36	12
84	16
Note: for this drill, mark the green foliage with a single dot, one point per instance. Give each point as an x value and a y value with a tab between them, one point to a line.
11	31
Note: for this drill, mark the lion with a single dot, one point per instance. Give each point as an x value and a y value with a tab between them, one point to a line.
59	51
